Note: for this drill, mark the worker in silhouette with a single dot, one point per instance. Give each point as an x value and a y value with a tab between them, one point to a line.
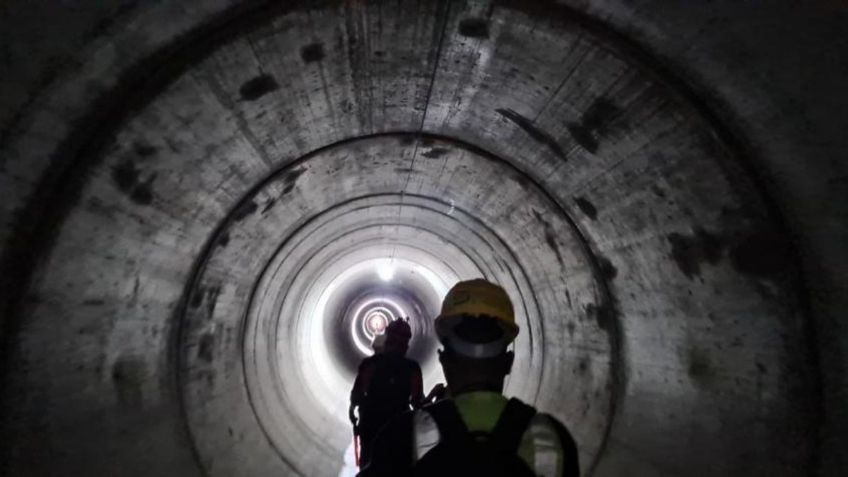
476	430
386	385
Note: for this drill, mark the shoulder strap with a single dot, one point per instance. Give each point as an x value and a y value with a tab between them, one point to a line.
511	425
450	423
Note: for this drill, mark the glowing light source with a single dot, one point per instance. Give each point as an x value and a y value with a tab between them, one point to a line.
377	323
385	270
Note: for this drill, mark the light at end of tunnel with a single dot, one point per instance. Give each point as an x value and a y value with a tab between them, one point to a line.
377	323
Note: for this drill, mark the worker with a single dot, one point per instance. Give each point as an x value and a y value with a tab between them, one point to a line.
476	430
386	385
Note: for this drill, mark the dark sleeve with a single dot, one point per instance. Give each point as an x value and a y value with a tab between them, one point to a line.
417	386
363	377
571	464
392	454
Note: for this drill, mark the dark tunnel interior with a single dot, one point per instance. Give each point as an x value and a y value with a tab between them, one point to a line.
209	207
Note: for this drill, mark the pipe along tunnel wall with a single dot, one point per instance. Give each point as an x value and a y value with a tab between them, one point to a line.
226	197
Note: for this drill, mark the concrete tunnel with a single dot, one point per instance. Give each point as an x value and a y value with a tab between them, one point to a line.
206	203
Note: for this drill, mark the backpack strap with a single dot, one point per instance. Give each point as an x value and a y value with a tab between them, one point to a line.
451	426
571	463
511	426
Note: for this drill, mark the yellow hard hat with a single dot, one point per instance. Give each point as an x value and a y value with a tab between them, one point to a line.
471	303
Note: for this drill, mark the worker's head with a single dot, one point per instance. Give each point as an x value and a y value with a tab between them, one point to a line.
476	327
398	334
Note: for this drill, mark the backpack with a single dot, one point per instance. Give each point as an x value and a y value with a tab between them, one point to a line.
460	452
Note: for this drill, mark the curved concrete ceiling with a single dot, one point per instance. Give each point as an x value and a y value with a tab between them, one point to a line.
208	209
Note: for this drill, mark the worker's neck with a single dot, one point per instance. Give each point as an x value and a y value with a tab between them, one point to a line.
456	389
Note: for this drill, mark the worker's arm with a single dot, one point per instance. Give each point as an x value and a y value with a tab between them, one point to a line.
360	384
417	395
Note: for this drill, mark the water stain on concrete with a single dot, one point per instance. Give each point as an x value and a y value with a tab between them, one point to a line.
312	52
586	207
245	210
126	177
699	365
143	192
583	366
534	132
224	240
550	237
608	270
290	179
143	149
474	28
691	251
435	152
206	347
271	202
257	87
128	376
594	123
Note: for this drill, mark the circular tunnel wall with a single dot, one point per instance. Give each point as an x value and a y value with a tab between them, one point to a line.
207	250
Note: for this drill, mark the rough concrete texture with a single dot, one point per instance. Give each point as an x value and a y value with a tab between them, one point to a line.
659	187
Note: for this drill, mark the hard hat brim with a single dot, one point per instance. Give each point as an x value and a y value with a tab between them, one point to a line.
445	325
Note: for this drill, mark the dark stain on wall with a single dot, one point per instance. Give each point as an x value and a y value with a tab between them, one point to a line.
534	132
128	376
224	239
435	152
583	365
550	237
312	52
143	149
143	192
594	124
212	300
586	207
270	204
700	367
290	179
690	251
244	210
604	315
125	175
255	88
206	347
608	270
126	178
474	28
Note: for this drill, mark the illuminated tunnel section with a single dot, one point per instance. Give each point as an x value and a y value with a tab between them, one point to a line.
321	270
202	288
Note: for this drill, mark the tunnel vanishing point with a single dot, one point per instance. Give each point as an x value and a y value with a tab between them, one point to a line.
209	206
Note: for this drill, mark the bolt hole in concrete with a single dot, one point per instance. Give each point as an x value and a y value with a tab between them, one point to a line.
297	191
